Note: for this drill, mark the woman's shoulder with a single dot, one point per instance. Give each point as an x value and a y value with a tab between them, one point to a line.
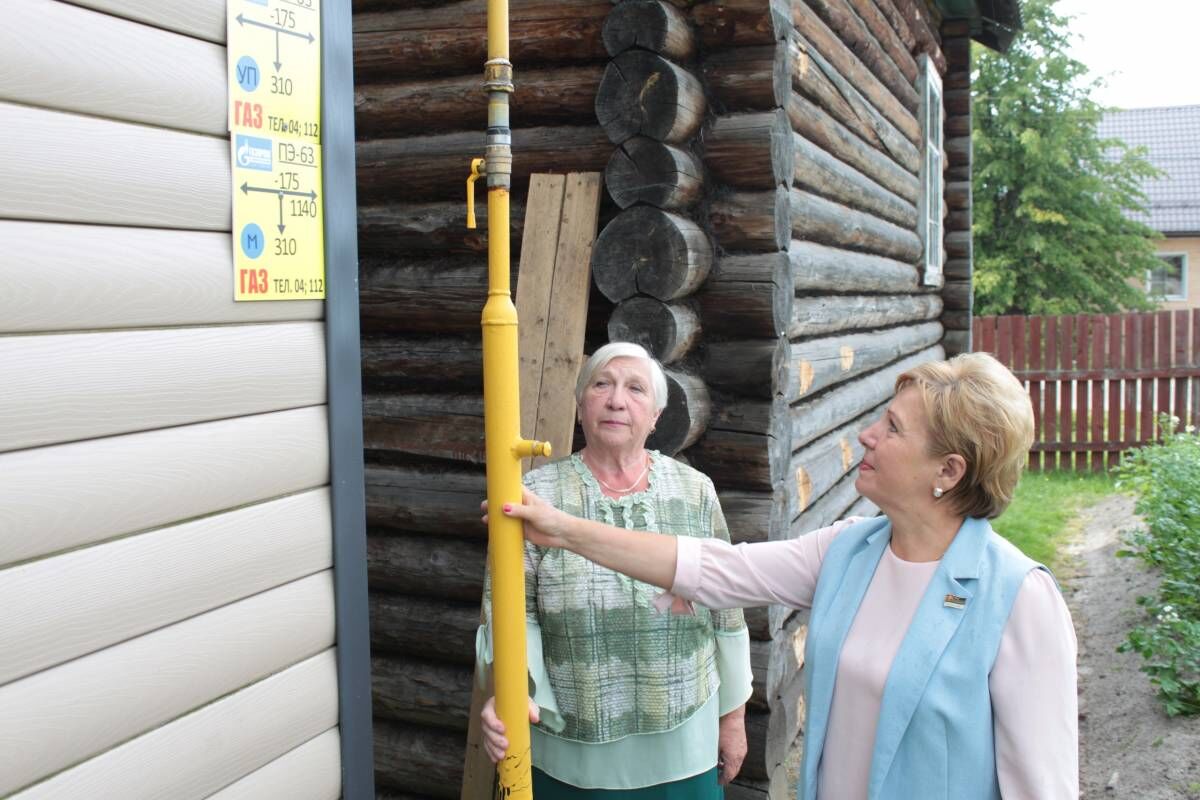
1039	608
1040	587
552	473
675	471
1008	557
860	526
1023	581
824	538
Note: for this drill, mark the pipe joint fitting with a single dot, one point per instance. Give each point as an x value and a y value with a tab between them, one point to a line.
499	165
498	75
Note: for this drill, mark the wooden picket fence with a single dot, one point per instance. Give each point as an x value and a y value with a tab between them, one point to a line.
1098	382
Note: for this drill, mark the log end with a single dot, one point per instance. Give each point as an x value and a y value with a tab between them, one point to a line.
643	93
643	170
650	25
685	416
667	331
649	251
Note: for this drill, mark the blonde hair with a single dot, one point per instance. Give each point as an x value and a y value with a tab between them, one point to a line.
600	359
978	409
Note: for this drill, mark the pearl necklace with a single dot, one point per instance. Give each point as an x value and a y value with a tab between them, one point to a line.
627	489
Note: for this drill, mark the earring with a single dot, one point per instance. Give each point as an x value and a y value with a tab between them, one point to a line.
937	492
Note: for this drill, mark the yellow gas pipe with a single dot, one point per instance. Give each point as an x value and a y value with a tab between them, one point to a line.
502	420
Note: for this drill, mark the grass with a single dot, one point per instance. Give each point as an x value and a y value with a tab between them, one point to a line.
1042	516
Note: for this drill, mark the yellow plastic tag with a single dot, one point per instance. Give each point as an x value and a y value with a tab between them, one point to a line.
274	60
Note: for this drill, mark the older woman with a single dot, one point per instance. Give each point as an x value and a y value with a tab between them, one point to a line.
940	660
631	696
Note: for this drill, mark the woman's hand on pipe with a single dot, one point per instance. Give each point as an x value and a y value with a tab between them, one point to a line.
494	741
545	525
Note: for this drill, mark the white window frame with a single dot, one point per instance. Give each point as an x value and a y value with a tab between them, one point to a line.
931	204
1183	279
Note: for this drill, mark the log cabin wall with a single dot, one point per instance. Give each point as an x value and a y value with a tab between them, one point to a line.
958	292
762	161
167	601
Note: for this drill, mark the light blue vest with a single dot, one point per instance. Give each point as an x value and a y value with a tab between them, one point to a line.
934	739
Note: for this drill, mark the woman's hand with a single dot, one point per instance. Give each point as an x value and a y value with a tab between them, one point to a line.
644	556
545	525
494	742
731	745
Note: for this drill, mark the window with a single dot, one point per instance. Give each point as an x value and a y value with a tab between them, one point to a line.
930	204
1168	281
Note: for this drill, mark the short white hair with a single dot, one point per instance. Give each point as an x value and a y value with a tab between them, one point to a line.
600	359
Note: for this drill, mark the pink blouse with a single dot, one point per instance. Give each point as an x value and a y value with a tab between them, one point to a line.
1033	680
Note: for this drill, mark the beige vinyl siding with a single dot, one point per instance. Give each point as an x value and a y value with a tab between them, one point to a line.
64	167
68	387
70	605
310	772
151	76
66	492
194	756
135	686
166	602
204	19
93	277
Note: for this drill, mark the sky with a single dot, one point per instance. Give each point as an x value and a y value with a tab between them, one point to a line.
1146	51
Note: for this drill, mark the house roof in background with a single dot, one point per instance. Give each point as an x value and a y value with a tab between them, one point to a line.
993	22
1171	136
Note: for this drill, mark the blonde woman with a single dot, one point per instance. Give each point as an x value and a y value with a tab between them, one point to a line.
940	660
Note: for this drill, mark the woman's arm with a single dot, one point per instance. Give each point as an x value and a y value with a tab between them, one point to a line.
709	571
1034	699
731	744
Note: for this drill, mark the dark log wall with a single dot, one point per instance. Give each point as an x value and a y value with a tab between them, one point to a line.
759	235
421	117
956	317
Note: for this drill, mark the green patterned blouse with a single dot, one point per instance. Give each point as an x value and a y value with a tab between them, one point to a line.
616	664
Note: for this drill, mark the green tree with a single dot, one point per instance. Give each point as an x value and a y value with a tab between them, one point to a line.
1049	194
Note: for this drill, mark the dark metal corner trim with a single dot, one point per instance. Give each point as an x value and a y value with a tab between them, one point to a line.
345	402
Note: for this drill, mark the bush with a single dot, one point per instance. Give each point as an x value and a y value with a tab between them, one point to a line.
1166	477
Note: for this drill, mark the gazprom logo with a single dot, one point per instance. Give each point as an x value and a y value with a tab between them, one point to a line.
253	152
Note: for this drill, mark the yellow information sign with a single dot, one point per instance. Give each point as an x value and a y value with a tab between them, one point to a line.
275	143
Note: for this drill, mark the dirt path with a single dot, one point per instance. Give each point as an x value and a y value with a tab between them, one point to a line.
1129	747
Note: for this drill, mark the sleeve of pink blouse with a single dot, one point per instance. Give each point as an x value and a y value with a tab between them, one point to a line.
717	574
1034	701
